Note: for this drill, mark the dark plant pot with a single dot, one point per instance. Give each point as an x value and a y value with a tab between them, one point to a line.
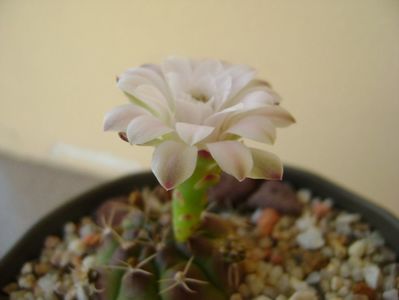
29	246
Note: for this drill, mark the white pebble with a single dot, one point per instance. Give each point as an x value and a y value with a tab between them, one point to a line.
311	239
313	278
357	274
236	296
262	297
88	263
86	230
304	195
336	283
256	286
343	291
69	228
345	270
263	269
304	295
47	284
347	218
389	282
27	268
26	281
298	285
77	247
391	295
275	274
256	215
372	276
284	283
305	222
244	290
358	248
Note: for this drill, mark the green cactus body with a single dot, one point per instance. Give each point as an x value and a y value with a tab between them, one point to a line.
190	197
196	290
140	258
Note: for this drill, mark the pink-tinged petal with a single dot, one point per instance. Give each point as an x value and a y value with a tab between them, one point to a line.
178	72
257	99
275	113
144	129
178	65
241	75
253	86
206	66
191	112
266	165
150	74
128	87
144	94
218	118
232	157
119	118
151	95
177	84
192	133
173	163
224	85
256	128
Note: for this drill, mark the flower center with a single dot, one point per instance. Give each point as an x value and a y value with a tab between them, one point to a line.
201	97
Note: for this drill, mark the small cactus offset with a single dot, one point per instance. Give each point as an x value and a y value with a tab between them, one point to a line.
139	257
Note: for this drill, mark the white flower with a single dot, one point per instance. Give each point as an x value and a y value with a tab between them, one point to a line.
183	106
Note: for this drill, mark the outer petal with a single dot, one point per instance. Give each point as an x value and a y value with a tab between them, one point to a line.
218	118
153	97
178	65
119	118
275	113
241	76
173	163
191	112
144	94
253	86
144	129
266	165
257	128
278	115
258	98
232	157
192	133
151	74
178	72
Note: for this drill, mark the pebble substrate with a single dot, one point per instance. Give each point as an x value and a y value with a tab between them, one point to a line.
294	246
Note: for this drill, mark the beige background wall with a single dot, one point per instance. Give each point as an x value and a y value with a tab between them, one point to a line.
336	64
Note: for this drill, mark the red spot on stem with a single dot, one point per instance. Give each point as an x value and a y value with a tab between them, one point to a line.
204	154
210	177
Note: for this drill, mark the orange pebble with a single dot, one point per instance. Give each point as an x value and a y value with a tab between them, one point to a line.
320	209
267	220
362	288
268	253
276	259
92	239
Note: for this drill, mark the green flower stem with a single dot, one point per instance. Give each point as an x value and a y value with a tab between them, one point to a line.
190	198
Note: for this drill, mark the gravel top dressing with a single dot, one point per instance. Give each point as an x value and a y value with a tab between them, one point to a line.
278	243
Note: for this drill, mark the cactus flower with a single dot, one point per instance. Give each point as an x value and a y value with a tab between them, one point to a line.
187	107
183	106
